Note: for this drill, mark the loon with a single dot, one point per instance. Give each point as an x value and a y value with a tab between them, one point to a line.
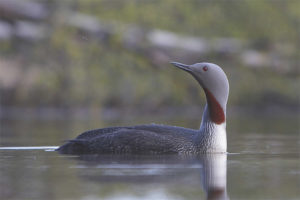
165	139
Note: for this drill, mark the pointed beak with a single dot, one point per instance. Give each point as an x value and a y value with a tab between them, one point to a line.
182	66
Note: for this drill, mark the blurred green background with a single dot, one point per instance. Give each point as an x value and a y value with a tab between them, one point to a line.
90	56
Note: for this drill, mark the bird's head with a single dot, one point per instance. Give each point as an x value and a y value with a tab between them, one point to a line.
214	82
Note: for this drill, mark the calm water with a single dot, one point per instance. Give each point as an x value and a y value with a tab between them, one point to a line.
263	163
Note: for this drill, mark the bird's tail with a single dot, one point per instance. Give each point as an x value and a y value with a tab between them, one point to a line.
75	146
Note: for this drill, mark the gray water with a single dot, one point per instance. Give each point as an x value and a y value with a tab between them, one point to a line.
263	163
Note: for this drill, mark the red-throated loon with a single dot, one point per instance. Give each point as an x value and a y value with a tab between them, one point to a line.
164	139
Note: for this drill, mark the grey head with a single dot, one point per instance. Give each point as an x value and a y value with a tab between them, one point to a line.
215	84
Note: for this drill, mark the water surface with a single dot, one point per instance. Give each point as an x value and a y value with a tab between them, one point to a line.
260	165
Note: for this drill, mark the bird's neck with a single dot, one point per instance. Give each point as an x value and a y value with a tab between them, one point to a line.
207	123
216	109
214	114
212	135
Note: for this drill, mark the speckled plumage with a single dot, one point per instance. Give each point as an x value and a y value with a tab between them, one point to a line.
164	139
142	139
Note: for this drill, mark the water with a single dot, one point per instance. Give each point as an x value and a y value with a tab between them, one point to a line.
263	163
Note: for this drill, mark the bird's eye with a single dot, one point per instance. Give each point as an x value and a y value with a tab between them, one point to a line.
205	68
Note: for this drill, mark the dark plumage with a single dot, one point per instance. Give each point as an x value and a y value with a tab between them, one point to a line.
142	139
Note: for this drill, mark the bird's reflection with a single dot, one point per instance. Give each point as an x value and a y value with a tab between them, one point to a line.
214	175
211	169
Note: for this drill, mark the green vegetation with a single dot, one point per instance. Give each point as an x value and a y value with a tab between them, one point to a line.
269	20
74	69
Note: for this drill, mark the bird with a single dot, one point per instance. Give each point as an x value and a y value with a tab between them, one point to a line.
166	139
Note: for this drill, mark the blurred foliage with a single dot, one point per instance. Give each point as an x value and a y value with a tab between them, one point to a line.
255	19
71	69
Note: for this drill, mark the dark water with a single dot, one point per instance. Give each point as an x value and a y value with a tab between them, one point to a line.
263	163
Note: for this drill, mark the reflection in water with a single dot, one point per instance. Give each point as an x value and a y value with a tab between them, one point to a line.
152	169
213	176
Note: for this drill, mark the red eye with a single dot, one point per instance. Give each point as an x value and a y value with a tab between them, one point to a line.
205	68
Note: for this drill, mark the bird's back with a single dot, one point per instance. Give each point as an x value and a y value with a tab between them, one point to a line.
141	139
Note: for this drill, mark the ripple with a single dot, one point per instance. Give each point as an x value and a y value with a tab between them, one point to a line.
47	148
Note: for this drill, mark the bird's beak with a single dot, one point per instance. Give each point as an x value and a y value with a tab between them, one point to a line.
182	66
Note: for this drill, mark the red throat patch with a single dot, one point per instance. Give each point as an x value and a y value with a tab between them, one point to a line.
216	112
